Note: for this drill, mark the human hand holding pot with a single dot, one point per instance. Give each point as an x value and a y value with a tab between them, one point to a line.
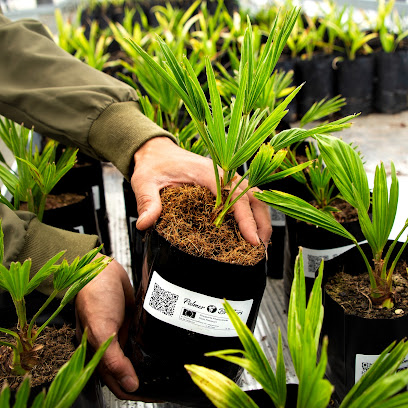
102	307
160	163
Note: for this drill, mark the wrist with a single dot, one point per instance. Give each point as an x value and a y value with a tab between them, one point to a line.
151	146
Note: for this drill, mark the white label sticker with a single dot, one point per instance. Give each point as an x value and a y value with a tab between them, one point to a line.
131	220
96	197
313	257
191	310
365	361
278	218
80	229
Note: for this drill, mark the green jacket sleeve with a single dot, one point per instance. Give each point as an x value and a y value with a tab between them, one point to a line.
26	237
43	86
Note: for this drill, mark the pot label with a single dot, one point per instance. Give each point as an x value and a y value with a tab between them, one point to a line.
313	257
96	197
191	310
80	229
278	218
365	361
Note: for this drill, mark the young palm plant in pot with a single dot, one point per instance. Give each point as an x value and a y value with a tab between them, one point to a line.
312	183
354	70
175	297
35	177
65	390
382	312
391	63
25	345
379	387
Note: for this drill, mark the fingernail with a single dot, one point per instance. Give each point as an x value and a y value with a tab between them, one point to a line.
128	383
141	217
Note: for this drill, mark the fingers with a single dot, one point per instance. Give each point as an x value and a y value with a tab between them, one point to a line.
119	375
246	222
160	163
262	216
148	204
117	371
253	217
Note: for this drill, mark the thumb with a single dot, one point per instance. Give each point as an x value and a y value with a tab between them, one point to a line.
148	204
117	371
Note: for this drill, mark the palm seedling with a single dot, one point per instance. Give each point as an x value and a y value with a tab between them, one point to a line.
390	38
347	170
354	39
136	31
166	103
66	30
247	128
206	38
306	38
331	16
316	178
276	89
37	173
92	50
377	388
233	37
16	280
67	384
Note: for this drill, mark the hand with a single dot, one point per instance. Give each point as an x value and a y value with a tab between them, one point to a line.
160	163
101	307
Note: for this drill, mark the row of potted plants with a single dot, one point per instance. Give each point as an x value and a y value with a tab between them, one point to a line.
364	61
62	186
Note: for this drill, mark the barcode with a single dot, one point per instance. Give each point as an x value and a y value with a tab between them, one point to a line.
163	300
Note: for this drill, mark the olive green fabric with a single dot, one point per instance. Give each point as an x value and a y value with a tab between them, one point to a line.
14	225
122	128
42	241
26	237
43	86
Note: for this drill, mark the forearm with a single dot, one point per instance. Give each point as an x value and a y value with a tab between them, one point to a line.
65	99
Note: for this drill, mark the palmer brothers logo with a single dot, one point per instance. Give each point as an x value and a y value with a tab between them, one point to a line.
209	308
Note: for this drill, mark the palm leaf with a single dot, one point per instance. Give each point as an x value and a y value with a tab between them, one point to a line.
222	391
302	210
347	170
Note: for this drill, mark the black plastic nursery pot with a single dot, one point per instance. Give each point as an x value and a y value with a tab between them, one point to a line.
355	342
276	249
391	91
355	82
180	316
136	237
262	399
317	244
318	75
86	177
76	217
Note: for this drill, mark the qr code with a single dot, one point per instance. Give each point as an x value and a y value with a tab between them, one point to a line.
314	261
365	366
163	300
277	215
